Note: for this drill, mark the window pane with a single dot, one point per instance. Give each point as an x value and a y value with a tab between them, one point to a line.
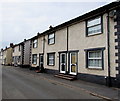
63	58
73	68
51	41
94	22
34	59
35	41
51	56
51	59
73	58
95	59
95	29
51	62
51	36
95	54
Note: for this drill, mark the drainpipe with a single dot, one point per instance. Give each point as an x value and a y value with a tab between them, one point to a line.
43	52
108	47
43	45
67	58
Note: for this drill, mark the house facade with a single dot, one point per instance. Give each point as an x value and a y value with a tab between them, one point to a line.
26	53
17	55
4	56
1	56
7	55
87	47
37	52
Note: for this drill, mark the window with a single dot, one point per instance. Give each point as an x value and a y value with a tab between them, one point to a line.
51	38
35	43
94	26
51	59
95	58
34	59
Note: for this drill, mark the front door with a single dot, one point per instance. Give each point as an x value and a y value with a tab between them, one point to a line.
41	61
62	62
73	63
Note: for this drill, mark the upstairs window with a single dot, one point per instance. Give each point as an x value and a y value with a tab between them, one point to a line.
51	38
35	42
94	26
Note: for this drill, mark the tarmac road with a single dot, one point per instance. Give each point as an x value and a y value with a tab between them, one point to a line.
19	85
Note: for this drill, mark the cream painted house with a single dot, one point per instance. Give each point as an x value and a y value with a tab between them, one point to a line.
1	57
87	47
4	56
7	55
17	54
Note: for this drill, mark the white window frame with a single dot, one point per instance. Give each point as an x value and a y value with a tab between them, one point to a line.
35	43
95	58
52	59
51	38
34	60
94	25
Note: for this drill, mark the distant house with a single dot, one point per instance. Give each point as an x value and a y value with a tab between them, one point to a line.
26	53
17	54
37	52
7	55
1	56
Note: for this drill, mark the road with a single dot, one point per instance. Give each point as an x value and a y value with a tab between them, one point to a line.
17	84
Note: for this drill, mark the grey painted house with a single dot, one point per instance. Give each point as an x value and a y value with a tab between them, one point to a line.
87	47
26	53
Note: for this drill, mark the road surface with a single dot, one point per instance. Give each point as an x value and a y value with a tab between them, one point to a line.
17	84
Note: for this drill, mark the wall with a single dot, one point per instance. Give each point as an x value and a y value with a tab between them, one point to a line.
38	50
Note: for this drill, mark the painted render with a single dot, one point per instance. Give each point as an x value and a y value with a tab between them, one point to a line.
17	55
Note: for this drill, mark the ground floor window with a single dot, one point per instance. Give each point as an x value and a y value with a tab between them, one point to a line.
51	59
34	59
94	58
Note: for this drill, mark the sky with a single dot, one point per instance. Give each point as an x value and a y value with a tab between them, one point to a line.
23	20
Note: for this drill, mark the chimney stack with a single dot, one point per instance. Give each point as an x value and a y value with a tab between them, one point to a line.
24	39
11	44
50	27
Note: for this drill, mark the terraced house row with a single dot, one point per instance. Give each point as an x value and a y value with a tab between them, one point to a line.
87	47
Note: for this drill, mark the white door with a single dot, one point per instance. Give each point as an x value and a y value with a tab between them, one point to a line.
73	63
62	62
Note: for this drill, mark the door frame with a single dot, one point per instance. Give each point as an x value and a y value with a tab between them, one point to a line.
69	62
64	52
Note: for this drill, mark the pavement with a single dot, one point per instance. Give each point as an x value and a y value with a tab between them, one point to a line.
80	89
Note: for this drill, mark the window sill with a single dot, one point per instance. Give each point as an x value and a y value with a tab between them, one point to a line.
95	68
35	64
51	65
51	44
88	35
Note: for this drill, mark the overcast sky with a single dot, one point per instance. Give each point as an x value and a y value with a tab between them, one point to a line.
20	20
